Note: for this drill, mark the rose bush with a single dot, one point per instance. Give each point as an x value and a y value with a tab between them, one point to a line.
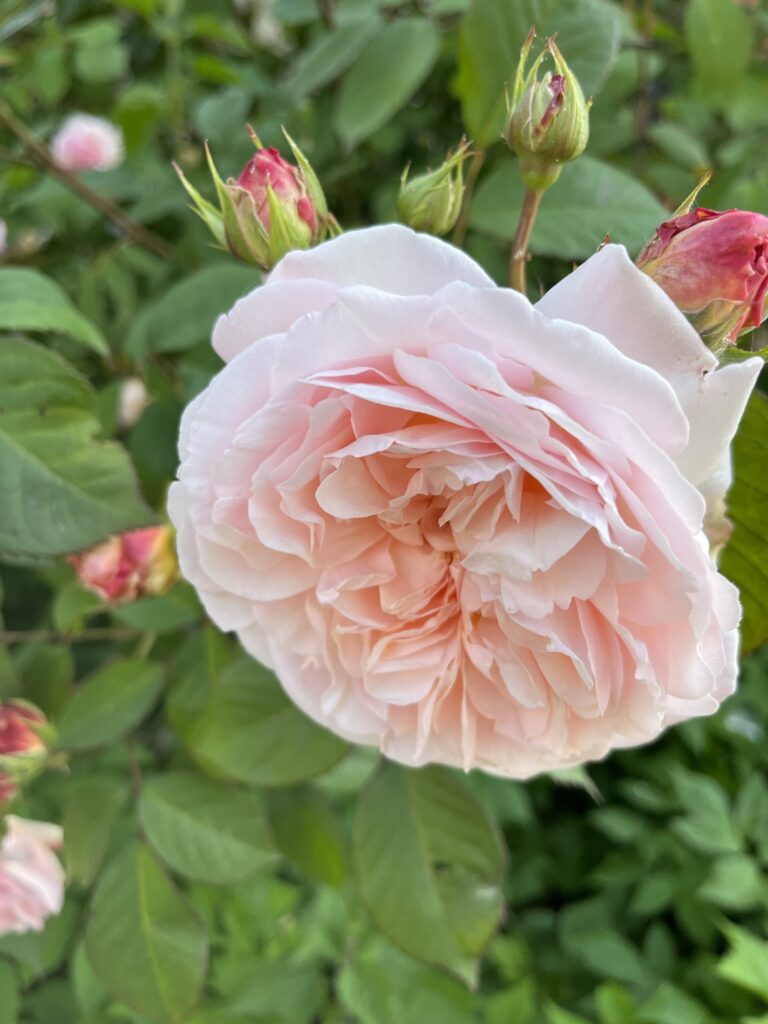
460	527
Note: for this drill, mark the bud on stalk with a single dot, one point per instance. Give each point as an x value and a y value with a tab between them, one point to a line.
140	563
547	117
272	207
23	746
432	201
714	266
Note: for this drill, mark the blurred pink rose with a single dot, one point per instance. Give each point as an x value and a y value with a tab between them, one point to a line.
31	877
459	527
85	143
130	565
714	267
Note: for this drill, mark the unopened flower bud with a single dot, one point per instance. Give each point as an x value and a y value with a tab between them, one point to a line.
547	117
714	267
432	202
133	400
24	740
272	207
140	563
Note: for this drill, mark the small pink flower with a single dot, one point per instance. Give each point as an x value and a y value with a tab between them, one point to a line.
714	267
129	565
22	749
31	877
85	143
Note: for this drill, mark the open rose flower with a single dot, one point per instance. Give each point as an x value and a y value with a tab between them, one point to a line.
85	143
457	526
31	877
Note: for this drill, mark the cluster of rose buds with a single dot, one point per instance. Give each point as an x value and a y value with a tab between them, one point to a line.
272	207
140	563
25	736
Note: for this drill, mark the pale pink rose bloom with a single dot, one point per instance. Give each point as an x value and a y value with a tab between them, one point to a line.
31	877
460	527
85	143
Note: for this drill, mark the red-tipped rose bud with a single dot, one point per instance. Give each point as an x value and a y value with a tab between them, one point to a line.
23	747
139	563
272	207
714	267
548	117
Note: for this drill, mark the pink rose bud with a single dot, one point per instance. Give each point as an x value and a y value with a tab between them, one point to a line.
31	877
85	143
23	749
714	266
271	208
140	563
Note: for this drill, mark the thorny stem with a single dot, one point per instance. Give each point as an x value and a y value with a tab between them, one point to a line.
41	155
473	171
519	256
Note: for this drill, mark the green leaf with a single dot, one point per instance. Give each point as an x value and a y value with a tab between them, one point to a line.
331	54
184	315
746	963
385	75
163	613
90	812
429	864
490	39
288	993
29	301
590	200
62	489
719	39
145	943
308	832
110	703
9	994
250	731
745	558
205	830
734	883
707	825
607	954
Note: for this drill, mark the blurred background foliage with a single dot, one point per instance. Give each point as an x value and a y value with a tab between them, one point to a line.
229	861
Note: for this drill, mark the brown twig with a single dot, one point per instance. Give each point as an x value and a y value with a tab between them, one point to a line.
44	636
519	256
41	155
327	13
473	171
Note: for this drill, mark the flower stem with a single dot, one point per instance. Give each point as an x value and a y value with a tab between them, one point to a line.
475	166
519	255
42	157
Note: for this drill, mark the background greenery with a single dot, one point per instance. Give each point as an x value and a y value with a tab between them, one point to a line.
228	860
